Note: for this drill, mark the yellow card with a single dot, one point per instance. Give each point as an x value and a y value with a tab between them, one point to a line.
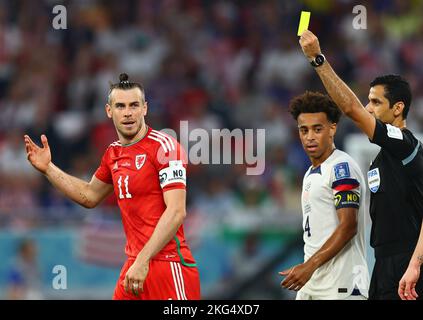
304	21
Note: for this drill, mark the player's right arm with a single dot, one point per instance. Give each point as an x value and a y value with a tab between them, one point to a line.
299	275
87	194
346	192
341	94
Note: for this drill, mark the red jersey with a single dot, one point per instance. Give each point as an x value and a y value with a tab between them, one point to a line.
140	172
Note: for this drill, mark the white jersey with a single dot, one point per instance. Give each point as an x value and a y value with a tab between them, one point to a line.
338	277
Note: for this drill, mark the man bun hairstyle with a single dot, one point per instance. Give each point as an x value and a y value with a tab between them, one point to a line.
314	102
125	84
123	78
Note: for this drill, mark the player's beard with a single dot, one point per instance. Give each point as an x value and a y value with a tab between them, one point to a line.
127	134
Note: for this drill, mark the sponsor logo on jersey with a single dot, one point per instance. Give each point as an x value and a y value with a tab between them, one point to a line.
140	160
342	170
373	180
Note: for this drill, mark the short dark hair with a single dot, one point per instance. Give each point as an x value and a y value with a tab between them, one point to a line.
396	89
125	84
314	102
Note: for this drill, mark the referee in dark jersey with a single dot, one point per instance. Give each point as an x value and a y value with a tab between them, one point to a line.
395	177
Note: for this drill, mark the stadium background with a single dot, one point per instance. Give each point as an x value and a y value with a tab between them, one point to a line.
217	64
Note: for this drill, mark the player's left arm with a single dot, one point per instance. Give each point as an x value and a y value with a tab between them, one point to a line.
407	284
168	224
166	228
297	276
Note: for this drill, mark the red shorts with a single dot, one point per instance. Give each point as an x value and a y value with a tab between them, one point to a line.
166	280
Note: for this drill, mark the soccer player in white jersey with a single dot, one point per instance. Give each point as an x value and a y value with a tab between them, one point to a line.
333	204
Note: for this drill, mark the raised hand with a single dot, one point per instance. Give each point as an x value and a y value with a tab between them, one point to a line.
309	44
40	158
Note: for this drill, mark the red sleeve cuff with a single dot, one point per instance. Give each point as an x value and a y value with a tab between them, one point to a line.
173	186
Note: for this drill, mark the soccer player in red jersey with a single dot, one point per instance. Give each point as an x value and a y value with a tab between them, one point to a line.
147	171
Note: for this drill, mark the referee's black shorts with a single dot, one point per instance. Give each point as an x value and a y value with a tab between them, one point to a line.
387	273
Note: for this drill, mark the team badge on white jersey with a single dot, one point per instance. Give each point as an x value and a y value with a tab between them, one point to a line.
342	170
373	180
140	160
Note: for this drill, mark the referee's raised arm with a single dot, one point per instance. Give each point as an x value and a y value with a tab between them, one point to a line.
341	94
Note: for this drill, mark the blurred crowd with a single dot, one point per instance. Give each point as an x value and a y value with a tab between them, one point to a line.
217	64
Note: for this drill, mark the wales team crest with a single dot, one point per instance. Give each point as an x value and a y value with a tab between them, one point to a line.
139	160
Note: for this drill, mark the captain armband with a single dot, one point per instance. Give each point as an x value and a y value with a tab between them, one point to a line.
175	173
347	199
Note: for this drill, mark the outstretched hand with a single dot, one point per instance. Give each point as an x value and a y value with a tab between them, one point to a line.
39	158
309	44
